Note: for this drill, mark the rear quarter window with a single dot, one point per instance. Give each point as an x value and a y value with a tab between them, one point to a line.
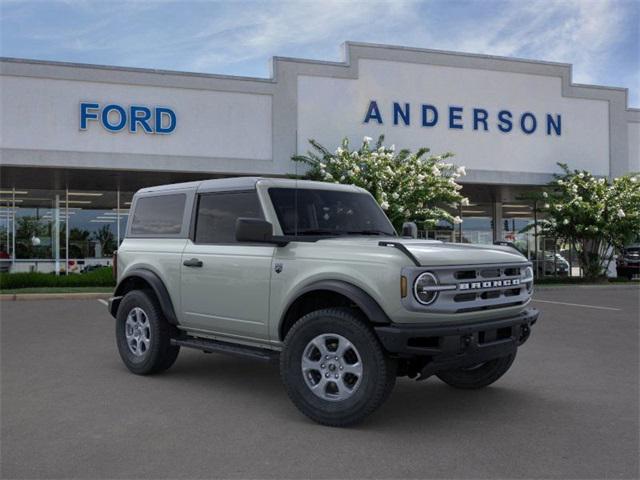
158	215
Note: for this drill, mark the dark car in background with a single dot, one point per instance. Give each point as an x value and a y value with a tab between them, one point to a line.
628	262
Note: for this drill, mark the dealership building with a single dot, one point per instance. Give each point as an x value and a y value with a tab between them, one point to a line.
78	140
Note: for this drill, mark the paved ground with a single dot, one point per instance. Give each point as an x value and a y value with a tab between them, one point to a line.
568	407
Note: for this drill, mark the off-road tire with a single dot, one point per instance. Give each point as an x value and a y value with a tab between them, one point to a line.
161	354
478	377
379	371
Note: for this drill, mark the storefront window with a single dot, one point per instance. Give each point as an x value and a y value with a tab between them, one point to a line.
60	230
477	223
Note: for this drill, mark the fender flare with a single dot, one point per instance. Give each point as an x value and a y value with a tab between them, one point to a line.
158	287
362	299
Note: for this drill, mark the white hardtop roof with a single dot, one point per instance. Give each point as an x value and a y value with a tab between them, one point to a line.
244	183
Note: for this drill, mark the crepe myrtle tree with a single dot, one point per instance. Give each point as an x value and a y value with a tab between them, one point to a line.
408	186
596	216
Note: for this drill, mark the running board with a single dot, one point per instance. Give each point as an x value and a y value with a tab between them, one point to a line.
216	346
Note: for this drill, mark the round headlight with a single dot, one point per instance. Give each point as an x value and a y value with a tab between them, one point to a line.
423	288
528	277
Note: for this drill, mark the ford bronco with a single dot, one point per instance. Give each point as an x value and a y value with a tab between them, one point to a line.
313	275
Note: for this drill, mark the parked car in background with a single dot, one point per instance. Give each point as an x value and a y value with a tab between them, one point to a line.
628	262
5	261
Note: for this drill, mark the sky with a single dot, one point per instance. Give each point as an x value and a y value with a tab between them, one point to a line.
601	38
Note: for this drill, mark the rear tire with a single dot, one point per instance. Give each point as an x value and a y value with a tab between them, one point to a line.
143	334
334	369
478	376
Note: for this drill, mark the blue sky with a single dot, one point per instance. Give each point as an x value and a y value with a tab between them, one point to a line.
601	38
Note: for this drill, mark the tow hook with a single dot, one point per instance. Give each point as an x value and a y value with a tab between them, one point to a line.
525	331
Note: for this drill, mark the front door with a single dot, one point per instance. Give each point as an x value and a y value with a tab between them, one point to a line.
225	284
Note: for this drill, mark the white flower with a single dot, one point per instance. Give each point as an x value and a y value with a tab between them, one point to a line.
384	205
565	221
633	179
461	171
457	220
545	195
339	151
464	202
621	213
392	148
546	205
581	175
395	195
560	182
435	170
367	139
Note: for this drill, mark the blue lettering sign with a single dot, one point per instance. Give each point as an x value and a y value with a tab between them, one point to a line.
455	113
399	112
161	126
87	113
373	112
122	115
114	118
140	115
556	125
426	122
504	118
478	118
532	125
480	115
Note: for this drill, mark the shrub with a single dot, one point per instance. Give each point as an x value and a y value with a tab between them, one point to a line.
408	186
101	277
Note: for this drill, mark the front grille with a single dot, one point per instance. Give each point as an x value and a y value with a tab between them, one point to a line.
468	289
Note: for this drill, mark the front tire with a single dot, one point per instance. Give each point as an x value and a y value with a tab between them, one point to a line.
334	369
477	376
143	334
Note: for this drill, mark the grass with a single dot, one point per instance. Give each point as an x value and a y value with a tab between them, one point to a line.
100	277
11	291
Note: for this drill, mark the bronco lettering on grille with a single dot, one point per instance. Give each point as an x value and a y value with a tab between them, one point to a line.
490	284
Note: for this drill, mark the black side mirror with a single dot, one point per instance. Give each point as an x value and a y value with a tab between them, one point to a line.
254	230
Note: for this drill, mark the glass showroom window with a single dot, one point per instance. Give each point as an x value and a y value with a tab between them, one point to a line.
477	225
63	231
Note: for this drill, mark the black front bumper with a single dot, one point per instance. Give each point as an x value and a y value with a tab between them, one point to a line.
453	346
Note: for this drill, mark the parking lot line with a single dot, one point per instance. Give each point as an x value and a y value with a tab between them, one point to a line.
103	301
577	305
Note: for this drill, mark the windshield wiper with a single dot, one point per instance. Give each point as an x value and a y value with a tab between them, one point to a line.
369	232
319	231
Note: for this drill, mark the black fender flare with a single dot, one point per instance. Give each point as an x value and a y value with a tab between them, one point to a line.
359	297
158	287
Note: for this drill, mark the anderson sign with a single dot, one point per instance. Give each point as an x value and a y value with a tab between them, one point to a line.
460	118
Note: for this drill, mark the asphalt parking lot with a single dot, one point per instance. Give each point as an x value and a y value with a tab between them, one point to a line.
568	408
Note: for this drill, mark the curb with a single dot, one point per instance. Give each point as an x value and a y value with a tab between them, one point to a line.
53	296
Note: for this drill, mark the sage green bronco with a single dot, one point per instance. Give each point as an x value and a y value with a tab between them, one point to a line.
313	275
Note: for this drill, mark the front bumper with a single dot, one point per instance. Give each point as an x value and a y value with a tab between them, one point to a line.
453	346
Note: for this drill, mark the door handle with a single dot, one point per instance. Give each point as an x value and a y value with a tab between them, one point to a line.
194	262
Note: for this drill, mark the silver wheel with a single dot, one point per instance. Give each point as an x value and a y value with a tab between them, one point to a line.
138	331
332	367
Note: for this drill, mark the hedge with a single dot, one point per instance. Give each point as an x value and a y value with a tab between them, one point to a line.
100	277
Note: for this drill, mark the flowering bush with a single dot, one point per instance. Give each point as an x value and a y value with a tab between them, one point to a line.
408	186
592	214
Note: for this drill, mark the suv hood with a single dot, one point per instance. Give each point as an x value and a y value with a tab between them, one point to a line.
436	253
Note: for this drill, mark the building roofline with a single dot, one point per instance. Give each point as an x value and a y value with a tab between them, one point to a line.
348	46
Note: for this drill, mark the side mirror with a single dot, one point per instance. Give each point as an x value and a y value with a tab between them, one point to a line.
410	229
254	230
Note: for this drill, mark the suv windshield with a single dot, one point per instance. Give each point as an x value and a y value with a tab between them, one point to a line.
328	212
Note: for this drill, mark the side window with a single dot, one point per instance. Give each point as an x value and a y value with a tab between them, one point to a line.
218	212
158	215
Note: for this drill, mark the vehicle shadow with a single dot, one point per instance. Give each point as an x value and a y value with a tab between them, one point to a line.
412	404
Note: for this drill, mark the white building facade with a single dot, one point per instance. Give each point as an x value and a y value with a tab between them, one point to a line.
78	140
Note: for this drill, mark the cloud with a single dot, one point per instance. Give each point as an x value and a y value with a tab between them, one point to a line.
599	37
